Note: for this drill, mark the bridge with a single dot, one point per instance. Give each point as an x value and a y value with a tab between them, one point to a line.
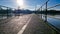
32	22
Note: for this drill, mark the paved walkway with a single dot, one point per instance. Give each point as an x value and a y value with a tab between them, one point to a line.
26	24
37	26
14	25
2	21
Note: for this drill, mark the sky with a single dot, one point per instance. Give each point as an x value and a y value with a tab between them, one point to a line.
28	4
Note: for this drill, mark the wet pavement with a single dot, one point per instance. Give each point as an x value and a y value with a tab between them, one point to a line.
25	24
14	25
37	26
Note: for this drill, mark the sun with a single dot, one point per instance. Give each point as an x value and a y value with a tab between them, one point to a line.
20	3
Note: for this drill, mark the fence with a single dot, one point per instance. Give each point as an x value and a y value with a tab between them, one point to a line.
5	12
45	12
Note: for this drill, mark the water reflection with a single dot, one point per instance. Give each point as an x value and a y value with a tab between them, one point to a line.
54	20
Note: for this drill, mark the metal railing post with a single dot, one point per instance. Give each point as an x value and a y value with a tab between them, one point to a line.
46	12
7	12
41	11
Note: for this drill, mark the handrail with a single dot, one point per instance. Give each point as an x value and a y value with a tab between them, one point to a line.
46	3
6	7
54	6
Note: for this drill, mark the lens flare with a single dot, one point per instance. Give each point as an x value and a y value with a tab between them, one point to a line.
20	3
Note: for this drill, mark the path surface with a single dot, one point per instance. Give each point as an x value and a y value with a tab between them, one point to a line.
37	26
26	24
14	25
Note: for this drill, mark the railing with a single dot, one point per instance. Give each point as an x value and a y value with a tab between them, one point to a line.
46	13
5	12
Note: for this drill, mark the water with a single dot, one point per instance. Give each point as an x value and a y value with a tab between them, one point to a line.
54	20
5	17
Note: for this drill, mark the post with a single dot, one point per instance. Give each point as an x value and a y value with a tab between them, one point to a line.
10	12
41	11
46	13
35	8
7	12
1	12
0	7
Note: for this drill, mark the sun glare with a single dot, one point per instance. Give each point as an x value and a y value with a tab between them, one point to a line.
20	3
